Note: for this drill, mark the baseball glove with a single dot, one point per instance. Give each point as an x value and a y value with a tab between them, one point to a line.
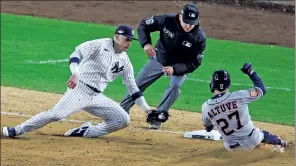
160	116
247	68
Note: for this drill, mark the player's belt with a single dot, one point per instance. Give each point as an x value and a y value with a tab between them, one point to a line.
238	145
92	88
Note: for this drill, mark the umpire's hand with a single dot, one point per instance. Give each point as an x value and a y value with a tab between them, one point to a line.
150	50
168	70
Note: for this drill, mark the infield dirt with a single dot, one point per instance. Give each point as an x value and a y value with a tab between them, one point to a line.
135	145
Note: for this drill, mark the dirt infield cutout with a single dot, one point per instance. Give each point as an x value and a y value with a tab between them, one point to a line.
130	146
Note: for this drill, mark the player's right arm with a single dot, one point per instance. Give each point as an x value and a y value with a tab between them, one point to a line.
74	61
83	51
149	25
205	119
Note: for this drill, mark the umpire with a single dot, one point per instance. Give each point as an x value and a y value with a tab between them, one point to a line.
179	51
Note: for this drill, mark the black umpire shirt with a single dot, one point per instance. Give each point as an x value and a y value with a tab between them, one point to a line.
181	50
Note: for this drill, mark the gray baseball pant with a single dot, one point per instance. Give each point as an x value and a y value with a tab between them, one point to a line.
152	71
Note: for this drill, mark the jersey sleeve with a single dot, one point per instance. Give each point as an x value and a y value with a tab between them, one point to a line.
89	48
249	95
149	25
205	119
129	79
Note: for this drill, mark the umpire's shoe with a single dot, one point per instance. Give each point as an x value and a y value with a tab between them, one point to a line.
78	132
8	132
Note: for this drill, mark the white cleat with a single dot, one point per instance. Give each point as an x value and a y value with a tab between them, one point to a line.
86	124
8	132
280	148
78	132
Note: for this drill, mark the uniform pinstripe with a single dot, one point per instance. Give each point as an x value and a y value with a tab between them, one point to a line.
99	65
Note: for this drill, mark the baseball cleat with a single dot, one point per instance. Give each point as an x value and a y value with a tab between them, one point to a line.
155	125
280	148
78	132
8	132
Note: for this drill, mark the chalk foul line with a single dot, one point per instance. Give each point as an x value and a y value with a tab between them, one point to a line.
238	84
50	61
80	121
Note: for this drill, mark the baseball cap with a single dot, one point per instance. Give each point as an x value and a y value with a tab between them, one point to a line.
126	31
190	14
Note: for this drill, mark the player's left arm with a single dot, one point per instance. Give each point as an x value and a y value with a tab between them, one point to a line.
259	89
129	81
194	63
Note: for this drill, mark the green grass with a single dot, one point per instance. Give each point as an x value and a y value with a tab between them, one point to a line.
30	38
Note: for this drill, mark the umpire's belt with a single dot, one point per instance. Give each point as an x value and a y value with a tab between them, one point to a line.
92	88
237	145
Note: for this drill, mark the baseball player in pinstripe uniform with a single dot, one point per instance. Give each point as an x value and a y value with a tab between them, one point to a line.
229	112
93	65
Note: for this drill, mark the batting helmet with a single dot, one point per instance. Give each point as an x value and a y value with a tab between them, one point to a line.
220	80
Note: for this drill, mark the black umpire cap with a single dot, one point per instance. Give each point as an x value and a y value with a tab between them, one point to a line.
126	31
190	14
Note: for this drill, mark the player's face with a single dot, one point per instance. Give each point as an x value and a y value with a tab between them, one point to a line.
123	42
186	27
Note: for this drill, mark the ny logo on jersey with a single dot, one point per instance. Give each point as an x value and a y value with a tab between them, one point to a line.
116	68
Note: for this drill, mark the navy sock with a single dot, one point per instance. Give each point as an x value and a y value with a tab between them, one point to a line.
271	139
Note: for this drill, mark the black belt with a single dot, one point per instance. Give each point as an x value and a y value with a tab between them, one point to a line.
92	88
237	145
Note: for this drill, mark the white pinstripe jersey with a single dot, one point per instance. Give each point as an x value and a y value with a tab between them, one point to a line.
230	114
100	65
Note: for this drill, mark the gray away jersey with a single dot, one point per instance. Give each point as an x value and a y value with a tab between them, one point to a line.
100	65
230	114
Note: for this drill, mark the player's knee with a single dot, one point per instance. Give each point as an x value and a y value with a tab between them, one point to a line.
128	120
124	121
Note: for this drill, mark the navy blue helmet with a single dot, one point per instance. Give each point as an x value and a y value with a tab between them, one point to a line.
220	80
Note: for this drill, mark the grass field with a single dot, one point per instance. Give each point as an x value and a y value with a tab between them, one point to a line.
27	39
